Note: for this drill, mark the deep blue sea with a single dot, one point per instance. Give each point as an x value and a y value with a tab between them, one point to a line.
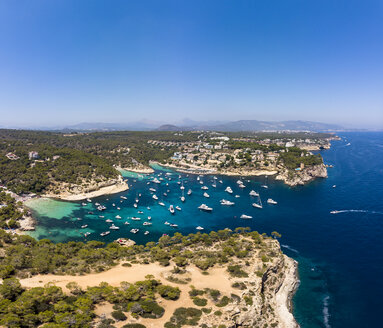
340	255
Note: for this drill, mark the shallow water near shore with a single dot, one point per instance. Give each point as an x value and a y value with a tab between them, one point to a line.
340	255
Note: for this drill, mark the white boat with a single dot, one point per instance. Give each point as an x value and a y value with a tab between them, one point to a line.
137	200
84	204
199	228
123	197
205	194
182	198
86	234
147	223
97	204
113	227
78	219
167	223
204	207
126	222
102	234
258	204
220	181
201	182
101	216
244	216
149	218
253	193
271	201
134	218
148	208
242	186
108	220
165	194
198	178
161	203
155	197
237	196
178	208
113	204
152	189
140	212
155	180
146	232
84	226
204	188
226	202
229	190
189	192
174	225
118	217
134	230
118	208
264	186
135	205
89	200
239	182
182	187
334	186
335	212
171	209
214	185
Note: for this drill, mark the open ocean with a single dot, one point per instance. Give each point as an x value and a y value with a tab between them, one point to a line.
340	255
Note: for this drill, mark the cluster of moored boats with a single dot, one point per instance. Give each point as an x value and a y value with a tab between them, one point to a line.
166	178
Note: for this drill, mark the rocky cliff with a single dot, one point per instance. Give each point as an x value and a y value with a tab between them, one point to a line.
294	178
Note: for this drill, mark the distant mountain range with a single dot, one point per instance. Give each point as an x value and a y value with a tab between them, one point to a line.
254	125
190	125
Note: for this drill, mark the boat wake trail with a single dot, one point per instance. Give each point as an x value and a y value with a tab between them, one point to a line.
326	314
290	248
355	211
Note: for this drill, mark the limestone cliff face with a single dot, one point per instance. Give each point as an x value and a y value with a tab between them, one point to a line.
266	301
273	301
294	178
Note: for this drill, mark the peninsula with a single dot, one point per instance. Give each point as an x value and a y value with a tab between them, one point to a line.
222	279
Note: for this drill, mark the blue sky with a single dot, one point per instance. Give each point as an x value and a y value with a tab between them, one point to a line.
64	62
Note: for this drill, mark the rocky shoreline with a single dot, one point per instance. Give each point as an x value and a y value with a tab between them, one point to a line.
291	178
302	177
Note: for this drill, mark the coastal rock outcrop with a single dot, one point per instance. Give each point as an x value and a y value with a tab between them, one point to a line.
301	177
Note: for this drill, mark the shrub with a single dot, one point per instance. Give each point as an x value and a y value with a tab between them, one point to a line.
223	302
134	325
169	292
199	301
239	285
236	271
118	315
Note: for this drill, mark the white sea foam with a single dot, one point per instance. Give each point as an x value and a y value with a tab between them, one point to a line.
326	313
290	248
355	211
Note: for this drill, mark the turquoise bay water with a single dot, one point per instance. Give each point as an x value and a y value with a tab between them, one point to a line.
340	255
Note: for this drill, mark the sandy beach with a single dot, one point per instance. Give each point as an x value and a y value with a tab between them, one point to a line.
107	190
143	170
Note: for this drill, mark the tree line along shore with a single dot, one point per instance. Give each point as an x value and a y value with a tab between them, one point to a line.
57	163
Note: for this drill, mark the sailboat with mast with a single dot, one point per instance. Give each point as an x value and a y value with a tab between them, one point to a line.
258	203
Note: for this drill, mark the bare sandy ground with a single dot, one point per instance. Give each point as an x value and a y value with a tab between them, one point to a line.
113	189
218	278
